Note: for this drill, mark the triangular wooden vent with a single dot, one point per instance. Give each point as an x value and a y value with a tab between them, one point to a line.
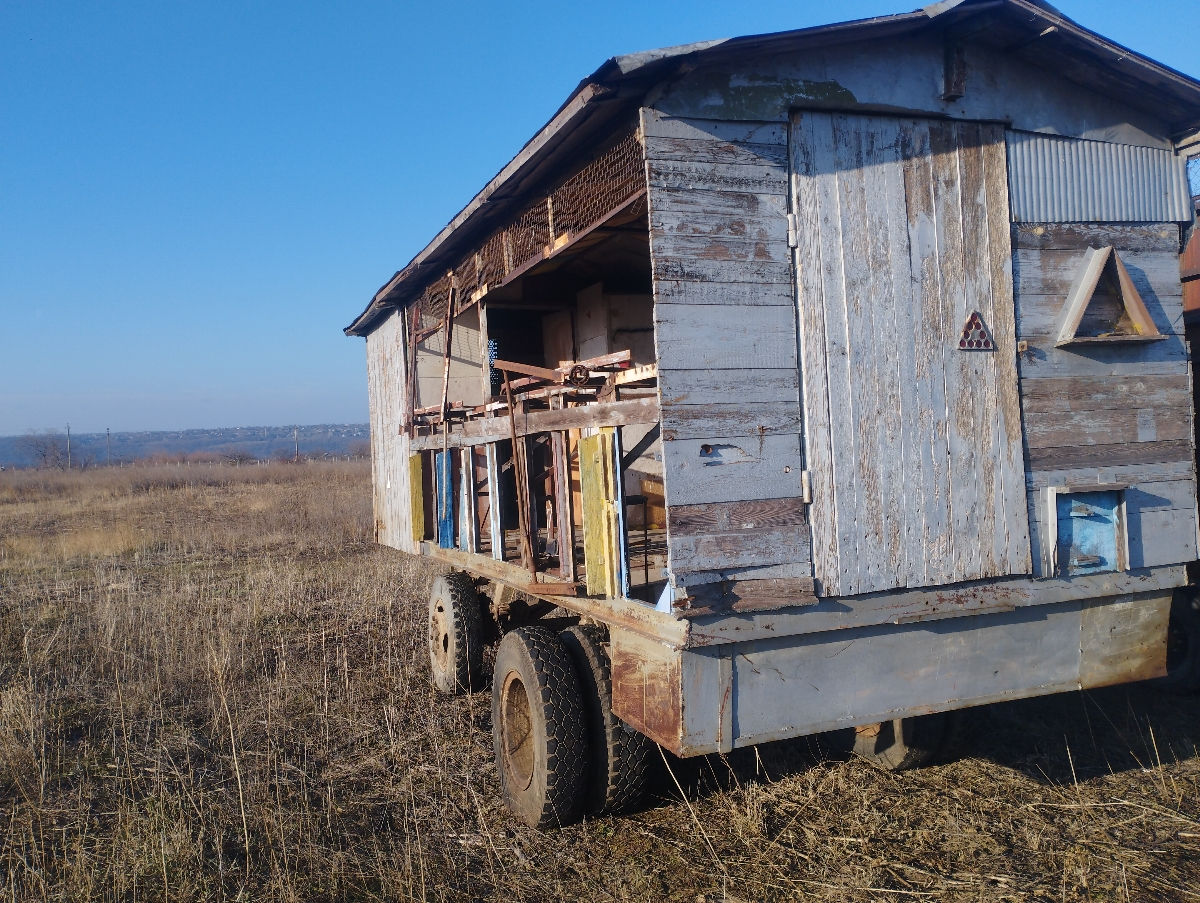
1104	305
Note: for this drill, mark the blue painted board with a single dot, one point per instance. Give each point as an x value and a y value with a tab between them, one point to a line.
1087	531
444	468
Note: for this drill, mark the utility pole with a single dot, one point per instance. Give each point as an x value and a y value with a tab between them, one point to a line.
68	446
296	436
108	439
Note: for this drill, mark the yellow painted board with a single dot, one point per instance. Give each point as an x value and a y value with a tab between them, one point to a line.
599	514
416	484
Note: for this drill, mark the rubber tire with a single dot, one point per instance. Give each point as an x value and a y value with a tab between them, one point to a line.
618	756
538	729
1183	643
456	634
901	743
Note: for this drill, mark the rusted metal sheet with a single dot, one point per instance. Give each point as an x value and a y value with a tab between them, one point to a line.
1189	272
1054	179
682	699
647	681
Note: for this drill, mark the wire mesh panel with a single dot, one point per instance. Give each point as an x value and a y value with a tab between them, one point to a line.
599	187
572	205
466	277
491	268
435	299
530	234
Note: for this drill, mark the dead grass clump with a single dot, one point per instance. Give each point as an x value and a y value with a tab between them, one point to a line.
237	706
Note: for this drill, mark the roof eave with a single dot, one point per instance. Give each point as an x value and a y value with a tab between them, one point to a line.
624	77
625	73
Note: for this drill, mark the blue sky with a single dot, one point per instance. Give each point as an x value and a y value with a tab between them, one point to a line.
195	197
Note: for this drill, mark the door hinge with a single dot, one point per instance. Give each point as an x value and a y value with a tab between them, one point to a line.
793	230
805	488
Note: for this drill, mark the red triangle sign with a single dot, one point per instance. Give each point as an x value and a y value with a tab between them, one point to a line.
975	336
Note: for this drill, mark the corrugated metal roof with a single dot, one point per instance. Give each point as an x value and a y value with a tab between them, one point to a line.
1066	180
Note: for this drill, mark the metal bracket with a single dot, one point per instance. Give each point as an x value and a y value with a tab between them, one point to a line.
793	231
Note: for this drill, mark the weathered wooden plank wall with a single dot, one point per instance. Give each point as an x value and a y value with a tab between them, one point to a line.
725	339
1118	413
906	76
466	383
387	392
914	445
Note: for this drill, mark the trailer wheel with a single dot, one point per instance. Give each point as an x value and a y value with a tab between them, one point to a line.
901	743
538	728
1183	643
618	760
455	634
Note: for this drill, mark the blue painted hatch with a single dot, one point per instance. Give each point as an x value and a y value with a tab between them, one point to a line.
1087	531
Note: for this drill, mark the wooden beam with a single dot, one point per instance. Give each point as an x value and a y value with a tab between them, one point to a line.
412	320
520	474
625	613
553	589
1081	293
495	498
493	429
640	373
617	360
562	505
1135	307
448	325
527	370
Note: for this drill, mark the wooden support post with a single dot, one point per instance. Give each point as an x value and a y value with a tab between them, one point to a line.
622	538
448	327
495	500
562	505
414	323
468	537
484	354
519	471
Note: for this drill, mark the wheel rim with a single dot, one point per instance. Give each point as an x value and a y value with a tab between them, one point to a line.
516	731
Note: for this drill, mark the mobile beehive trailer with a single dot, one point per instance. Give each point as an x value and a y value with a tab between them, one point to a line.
832	378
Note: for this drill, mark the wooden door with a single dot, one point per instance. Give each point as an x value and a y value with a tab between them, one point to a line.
913	443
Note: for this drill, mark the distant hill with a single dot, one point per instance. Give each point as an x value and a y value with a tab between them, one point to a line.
244	442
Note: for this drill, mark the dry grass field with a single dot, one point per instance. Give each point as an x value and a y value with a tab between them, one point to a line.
213	686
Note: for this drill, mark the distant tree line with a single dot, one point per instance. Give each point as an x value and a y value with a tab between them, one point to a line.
49	450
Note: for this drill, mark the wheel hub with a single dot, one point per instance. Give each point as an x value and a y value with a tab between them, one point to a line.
439	636
516	731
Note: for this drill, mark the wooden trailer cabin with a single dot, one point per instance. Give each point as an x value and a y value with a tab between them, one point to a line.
838	374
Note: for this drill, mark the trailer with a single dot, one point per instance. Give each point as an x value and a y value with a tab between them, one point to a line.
831	379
